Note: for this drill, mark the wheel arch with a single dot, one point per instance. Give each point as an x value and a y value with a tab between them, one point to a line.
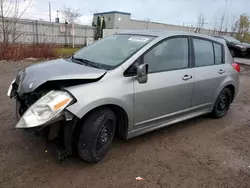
122	119
231	85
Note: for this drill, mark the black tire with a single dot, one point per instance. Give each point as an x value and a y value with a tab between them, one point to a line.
96	135
222	103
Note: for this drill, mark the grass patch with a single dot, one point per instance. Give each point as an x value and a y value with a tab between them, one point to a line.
65	51
38	51
22	51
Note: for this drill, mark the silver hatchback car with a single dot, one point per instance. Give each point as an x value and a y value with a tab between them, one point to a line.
126	84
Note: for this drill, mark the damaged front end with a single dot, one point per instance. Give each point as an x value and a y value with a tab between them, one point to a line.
42	101
45	115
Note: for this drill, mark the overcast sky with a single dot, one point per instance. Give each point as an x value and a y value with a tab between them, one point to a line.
166	11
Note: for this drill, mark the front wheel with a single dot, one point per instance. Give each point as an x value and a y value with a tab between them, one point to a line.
96	135
222	103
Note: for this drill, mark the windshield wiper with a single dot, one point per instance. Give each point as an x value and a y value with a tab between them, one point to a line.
87	62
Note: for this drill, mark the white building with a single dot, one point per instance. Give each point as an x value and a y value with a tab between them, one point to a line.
122	20
114	19
117	21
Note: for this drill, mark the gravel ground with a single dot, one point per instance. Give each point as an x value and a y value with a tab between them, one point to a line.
201	152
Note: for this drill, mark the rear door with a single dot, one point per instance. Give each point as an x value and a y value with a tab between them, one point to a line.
209	71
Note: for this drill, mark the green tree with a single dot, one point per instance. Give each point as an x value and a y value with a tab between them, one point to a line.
243	27
98	28
103	26
103	23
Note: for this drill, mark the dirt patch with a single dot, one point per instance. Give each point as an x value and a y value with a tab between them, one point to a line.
201	152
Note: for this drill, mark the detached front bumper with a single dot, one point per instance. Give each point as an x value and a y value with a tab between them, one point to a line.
44	113
59	132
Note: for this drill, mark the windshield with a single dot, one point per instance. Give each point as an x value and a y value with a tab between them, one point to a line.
231	39
113	50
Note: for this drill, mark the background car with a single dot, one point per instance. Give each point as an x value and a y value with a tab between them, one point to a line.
236	48
248	48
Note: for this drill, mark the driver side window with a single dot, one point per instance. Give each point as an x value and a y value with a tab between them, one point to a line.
171	54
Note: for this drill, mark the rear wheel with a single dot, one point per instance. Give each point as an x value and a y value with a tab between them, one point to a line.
96	135
222	103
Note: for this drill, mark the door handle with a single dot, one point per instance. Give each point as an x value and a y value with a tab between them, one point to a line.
221	71
187	77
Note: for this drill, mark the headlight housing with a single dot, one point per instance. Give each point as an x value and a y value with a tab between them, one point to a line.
45	109
10	88
241	46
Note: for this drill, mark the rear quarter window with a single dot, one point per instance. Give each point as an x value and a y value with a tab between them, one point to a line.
218	53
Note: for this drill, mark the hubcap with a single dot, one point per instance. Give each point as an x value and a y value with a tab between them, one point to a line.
223	103
104	135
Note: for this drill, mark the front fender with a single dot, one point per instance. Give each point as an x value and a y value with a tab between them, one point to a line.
116	91
79	109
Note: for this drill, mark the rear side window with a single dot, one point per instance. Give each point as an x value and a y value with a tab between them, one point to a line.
218	53
203	52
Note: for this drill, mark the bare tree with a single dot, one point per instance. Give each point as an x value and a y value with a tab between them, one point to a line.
200	22
70	15
11	12
234	25
222	21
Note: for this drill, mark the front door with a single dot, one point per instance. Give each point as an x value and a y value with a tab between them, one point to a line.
168	91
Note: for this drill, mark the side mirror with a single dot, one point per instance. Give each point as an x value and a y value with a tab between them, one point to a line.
142	73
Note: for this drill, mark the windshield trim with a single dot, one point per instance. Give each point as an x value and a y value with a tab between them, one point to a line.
87	63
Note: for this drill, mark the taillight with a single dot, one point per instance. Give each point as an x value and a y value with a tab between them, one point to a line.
236	66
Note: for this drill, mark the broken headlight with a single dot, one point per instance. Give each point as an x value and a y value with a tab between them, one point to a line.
45	109
10	88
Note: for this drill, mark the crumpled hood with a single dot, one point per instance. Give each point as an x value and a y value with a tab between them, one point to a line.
54	70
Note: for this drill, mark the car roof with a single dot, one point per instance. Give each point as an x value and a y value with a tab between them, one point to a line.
166	33
224	36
